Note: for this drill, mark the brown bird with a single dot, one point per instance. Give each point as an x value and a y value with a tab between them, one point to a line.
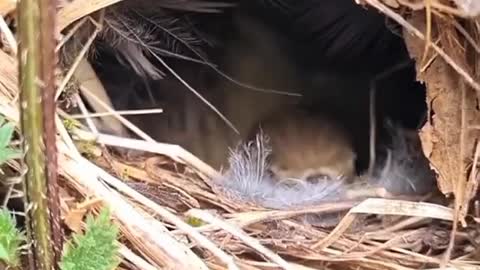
307	146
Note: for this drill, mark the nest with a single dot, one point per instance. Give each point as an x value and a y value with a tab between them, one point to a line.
171	215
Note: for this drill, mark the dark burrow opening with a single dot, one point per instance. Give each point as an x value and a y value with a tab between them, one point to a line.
328	51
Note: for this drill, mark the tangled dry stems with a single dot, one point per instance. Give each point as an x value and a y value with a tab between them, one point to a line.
234	233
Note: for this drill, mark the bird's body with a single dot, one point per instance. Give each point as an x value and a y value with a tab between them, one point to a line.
307	146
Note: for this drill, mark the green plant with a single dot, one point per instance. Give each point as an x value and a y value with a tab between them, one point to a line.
195	222
11	239
96	249
70	124
6	134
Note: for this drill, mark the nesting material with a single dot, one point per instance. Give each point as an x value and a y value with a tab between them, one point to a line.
404	170
255	236
470	8
249	179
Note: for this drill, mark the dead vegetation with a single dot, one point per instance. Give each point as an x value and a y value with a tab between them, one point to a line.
171	216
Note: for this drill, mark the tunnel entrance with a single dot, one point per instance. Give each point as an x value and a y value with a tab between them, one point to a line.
330	55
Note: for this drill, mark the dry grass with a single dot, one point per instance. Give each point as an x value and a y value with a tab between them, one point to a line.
170	216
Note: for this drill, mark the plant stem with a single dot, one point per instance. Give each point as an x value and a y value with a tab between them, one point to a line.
35	185
48	61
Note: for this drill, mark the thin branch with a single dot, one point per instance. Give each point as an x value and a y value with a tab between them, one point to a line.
12	42
172	150
77	62
120	112
400	20
181	225
120	118
253	243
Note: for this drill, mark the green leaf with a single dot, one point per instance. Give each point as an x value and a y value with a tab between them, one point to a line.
6	133
4	253
96	249
10	239
9	153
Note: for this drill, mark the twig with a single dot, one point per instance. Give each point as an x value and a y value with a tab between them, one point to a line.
86	114
66	137
472	185
135	259
71	32
385	207
77	61
199	238
372	109
401	225
428	34
333	236
172	150
245	219
203	99
174	254
435	4
253	243
373	129
462	184
128	112
120	118
397	207
12	42
467	36
400	20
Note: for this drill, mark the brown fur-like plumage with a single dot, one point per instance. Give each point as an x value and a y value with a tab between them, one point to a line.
306	145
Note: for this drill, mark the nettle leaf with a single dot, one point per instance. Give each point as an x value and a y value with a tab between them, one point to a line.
10	239
4	256
96	249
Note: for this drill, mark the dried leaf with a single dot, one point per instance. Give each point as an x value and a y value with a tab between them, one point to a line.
74	219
